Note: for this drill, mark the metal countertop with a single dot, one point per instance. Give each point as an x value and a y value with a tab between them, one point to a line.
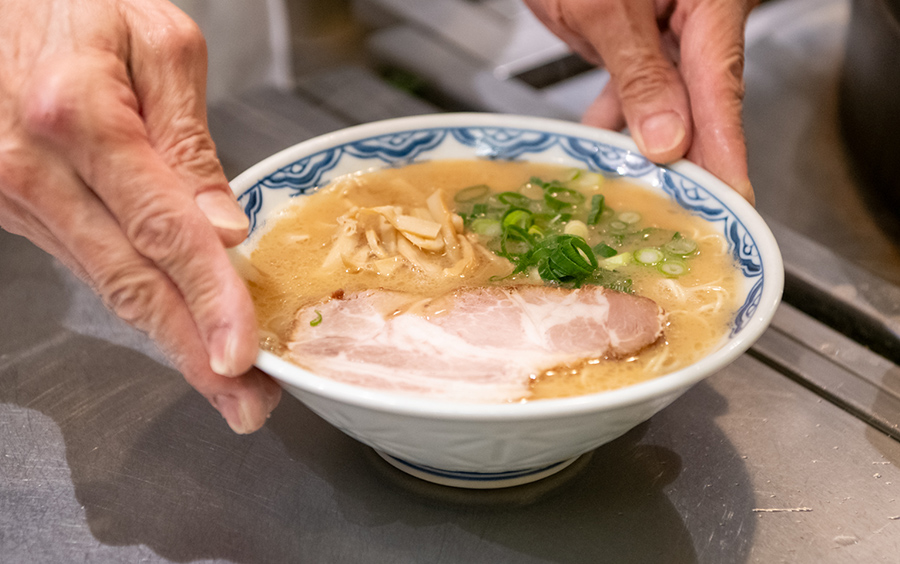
788	455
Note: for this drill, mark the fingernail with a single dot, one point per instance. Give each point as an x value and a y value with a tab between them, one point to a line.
662	132
229	407
234	412
249	421
222	211
223	352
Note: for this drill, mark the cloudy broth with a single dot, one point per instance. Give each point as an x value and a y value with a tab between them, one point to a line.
289	257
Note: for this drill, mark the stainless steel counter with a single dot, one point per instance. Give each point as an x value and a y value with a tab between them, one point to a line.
790	454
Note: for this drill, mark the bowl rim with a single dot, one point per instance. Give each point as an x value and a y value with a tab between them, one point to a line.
657	388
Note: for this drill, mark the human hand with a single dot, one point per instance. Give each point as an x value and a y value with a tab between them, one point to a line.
106	162
676	69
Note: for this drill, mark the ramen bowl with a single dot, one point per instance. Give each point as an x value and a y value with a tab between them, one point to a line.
478	445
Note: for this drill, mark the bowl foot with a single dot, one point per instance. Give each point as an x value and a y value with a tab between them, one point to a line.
476	480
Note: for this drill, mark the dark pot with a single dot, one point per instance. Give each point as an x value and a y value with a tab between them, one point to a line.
870	101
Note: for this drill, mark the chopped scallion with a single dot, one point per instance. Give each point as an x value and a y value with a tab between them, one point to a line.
649	256
578	228
597	207
618	225
560	197
515	244
514	199
672	268
616	261
480	209
681	246
629	217
487	227
535	231
543	228
604	251
472	193
518	217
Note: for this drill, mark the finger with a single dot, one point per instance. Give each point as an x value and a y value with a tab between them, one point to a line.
168	62
134	288
101	132
606	110
712	64
243	408
653	97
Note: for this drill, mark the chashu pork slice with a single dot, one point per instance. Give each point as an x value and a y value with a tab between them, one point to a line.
474	344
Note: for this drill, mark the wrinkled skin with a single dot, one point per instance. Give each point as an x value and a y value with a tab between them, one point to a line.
676	70
106	163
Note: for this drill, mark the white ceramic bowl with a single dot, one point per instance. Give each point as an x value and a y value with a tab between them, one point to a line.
478	445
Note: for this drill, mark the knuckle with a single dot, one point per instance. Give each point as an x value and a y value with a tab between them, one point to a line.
182	39
644	78
195	152
158	231
131	292
51	106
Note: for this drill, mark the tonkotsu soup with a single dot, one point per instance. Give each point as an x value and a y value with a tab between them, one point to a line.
436	227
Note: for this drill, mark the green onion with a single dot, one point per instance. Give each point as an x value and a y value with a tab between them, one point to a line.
604	251
672	268
559	197
681	246
614	262
317	320
565	258
535	231
585	179
649	256
480	209
487	227
597	207
560	218
543	228
518	217
629	217
515	244
577	228
576	251
472	193
514	199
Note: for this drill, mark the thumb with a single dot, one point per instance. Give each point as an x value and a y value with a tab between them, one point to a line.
654	100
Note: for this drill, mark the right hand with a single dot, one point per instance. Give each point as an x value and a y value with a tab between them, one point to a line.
106	162
676	69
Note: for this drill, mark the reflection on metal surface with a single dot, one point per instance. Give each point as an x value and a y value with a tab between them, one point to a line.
834	367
